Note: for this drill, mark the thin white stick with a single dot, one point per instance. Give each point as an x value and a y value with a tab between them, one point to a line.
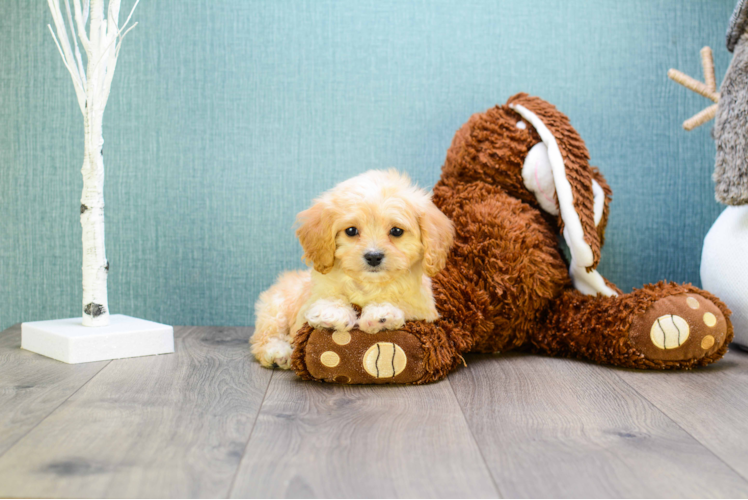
61	31
112	22
79	90
112	63
119	44
119	32
128	17
81	71
80	20
113	39
105	51
59	49
63	46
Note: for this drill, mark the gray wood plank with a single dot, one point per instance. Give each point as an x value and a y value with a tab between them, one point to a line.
33	386
159	426
322	440
563	428
709	403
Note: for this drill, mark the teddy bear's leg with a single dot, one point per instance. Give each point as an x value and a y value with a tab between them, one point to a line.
504	271
659	326
418	353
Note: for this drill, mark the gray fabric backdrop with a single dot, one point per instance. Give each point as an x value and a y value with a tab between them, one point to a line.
227	117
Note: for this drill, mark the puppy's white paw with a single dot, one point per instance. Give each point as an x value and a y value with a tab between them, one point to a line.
334	314
275	352
378	317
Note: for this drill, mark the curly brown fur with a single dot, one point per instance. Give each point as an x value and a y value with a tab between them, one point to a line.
576	161
298	361
490	149
596	328
505	258
606	208
442	353
506	283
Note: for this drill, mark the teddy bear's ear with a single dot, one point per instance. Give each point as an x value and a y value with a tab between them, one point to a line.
316	236
571	178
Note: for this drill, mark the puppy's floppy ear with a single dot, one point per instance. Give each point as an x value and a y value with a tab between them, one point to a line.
574	187
316	236
437	236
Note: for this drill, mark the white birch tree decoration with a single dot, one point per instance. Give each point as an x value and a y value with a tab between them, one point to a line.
102	46
116	336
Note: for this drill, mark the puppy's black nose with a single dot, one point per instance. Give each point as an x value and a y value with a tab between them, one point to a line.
374	258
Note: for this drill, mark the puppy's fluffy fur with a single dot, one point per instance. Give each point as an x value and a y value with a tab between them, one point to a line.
391	292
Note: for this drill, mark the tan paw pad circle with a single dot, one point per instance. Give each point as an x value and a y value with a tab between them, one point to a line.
710	319
341	338
384	360
692	303
669	331
329	359
707	342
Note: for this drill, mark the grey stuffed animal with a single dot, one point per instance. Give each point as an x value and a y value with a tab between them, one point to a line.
731	126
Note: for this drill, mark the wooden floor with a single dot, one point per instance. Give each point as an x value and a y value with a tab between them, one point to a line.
210	422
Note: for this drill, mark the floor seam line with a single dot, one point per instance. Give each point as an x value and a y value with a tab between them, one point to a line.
54	409
706	447
251	433
475	441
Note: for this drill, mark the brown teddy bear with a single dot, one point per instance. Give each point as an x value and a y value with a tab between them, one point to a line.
515	177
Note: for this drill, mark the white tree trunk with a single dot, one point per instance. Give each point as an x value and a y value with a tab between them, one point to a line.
95	264
92	87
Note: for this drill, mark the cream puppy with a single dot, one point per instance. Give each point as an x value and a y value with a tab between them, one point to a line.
373	241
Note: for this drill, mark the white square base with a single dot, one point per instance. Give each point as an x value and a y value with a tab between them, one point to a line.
69	341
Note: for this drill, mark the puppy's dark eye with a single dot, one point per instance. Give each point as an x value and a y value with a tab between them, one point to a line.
351	231
396	232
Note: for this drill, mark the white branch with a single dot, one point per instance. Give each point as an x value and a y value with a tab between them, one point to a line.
114	51
80	20
63	46
81	71
119	44
104	52
62	33
54	8
72	73
128	17
112	20
113	15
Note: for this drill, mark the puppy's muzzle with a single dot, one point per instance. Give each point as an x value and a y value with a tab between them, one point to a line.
373	258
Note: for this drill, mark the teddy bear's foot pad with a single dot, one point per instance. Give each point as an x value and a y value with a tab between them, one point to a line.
356	357
679	327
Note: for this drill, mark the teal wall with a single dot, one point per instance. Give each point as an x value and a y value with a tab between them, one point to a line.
227	117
